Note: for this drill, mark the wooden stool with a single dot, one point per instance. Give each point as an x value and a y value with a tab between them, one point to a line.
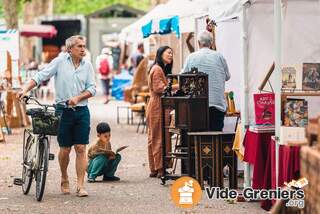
213	151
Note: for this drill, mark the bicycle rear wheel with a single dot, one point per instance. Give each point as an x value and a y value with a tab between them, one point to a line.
41	173
27	173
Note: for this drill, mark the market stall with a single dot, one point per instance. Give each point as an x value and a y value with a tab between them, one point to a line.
13	113
293	57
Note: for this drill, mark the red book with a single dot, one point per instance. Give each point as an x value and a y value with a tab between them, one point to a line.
264	108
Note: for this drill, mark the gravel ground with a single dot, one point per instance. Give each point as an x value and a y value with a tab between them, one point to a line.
135	193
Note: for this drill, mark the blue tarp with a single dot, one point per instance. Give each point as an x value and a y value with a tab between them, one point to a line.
119	82
166	26
169	25
146	29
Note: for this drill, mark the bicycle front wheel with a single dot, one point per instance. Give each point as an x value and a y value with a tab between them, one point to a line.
27	173
41	173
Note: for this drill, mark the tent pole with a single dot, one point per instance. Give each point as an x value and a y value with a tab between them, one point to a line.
277	77
181	52
245	91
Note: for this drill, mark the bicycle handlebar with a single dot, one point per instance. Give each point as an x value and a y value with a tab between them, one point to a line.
27	98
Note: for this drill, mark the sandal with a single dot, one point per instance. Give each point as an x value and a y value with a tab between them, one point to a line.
81	192
65	189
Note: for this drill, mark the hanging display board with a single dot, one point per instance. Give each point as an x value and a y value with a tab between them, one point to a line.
9	41
3	62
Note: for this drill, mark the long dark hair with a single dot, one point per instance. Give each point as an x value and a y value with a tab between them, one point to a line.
167	69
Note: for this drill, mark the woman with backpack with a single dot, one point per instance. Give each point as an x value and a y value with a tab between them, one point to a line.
104	66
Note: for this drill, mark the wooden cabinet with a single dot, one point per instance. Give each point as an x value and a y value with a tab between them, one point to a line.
191	113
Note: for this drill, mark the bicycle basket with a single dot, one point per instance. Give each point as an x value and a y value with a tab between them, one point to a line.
45	122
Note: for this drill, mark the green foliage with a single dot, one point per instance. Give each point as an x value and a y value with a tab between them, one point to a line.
1	9
20	4
85	6
89	6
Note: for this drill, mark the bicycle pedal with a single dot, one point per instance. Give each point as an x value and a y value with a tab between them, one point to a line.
51	156
17	181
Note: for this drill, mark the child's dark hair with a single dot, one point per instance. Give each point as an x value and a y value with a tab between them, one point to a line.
103	128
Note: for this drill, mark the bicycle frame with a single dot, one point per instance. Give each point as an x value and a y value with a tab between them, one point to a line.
36	138
34	152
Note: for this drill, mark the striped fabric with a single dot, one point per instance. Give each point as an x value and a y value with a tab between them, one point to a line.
10	31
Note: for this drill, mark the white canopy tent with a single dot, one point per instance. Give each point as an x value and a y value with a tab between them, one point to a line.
133	33
245	36
254	30
187	10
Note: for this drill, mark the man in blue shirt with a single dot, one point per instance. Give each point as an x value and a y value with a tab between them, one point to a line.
74	81
214	64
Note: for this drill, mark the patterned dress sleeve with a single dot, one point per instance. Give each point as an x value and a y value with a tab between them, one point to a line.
158	80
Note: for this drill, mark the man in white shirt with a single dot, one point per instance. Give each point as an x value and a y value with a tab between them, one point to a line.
212	63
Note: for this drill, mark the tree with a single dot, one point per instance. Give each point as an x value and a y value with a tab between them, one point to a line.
32	10
80	6
10	9
156	2
1	9
86	7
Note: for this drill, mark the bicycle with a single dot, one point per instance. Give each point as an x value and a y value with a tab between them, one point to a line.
36	147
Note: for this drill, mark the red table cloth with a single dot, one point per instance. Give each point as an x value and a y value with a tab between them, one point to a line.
289	168
260	151
256	153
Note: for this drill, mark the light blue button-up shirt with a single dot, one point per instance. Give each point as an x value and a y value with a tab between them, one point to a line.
69	82
212	63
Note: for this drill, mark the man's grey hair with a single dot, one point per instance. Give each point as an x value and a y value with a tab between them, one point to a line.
71	41
205	39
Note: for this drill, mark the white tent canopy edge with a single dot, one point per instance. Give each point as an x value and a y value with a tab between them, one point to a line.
187	14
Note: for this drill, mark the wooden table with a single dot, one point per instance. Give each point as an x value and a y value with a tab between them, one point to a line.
213	151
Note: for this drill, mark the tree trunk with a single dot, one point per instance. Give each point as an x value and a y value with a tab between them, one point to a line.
27	42
31	11
10	8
